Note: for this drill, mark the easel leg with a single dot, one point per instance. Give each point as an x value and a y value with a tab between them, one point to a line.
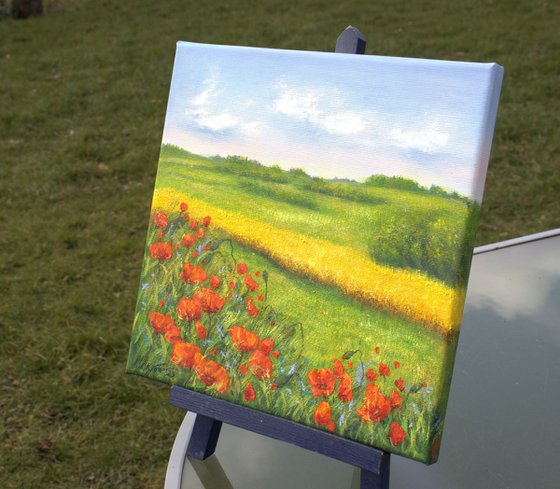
372	480
204	437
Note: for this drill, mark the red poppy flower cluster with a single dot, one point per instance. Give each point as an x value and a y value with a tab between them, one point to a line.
243	358
259	362
205	292
161	251
337	387
377	406
323	416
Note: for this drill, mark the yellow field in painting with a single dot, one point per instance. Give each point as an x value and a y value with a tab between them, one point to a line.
410	294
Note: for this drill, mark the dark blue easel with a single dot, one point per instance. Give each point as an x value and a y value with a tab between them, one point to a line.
212	412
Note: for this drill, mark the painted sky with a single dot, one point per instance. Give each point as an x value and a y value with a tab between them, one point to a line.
337	115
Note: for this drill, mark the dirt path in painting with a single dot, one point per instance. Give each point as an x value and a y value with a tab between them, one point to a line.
410	294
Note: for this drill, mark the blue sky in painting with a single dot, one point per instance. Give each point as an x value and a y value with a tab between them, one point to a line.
336	115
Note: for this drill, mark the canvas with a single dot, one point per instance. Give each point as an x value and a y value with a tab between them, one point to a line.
311	235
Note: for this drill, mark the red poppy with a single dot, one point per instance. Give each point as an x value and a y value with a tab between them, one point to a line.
194	254
260	365
266	345
323	416
160	322
396	399
209	300
185	354
215	281
241	268
396	434
200	233
400	384
251	308
211	373
206	221
396	364
172	334
194	224
161	251
338	368
160	220
349	365
377	350
184	207
243	339
200	330
242	369
321	382
187	218
345	393
189	309
371	375
161	303
250	283
229	295
249	393
435	448
231	285
206	247
424	384
376	406
384	371
160	234
274	387
213	352
260	297
193	274
276	354
188	240
176	245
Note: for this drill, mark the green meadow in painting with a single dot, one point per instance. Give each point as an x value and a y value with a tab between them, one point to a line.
330	298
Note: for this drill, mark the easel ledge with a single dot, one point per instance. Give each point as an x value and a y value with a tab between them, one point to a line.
211	412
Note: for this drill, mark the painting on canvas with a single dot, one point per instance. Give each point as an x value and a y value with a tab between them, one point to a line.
311	233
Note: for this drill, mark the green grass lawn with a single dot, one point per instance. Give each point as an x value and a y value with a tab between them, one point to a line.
83	99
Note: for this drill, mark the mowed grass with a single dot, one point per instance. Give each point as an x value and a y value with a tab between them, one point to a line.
83	99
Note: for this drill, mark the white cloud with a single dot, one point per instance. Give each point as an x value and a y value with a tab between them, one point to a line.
203	111
429	140
316	106
301	105
217	122
207	94
344	123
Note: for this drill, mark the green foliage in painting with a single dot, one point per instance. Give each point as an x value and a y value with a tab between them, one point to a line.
433	242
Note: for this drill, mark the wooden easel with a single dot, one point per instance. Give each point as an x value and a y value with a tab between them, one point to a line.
212	412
